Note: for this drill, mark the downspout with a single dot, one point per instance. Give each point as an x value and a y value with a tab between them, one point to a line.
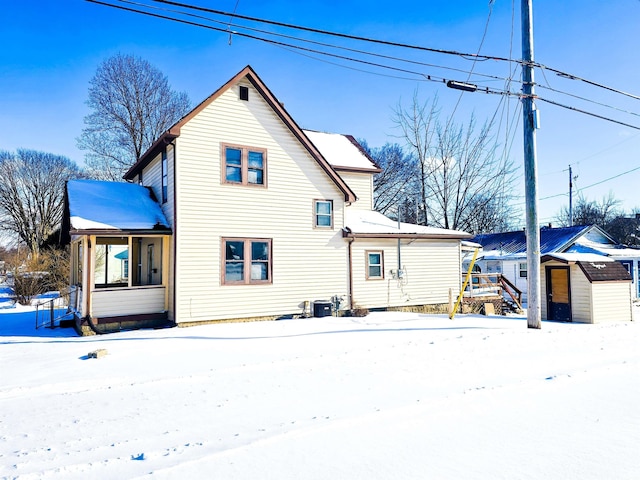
350	273
173	258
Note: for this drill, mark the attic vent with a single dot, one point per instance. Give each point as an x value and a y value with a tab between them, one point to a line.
244	93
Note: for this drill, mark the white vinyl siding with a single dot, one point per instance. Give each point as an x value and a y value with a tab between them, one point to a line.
611	302
580	295
432	267
130	301
362	186
209	210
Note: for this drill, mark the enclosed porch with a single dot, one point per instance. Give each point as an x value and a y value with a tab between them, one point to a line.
119	244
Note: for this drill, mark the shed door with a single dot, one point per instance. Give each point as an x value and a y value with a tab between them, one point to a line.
558	294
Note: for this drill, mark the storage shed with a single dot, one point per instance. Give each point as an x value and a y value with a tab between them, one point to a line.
585	288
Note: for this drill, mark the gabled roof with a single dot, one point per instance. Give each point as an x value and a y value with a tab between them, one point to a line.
93	206
595	267
249	74
514	244
343	152
372	224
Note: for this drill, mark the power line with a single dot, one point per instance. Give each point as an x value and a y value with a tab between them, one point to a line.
467	56
601	117
305	40
424	76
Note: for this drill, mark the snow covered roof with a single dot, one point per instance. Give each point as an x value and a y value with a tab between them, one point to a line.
342	151
367	223
568	257
514	244
618	251
98	205
597	268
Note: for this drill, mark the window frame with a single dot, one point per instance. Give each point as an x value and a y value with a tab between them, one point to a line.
164	174
368	264
522	272
244	165
316	215
246	261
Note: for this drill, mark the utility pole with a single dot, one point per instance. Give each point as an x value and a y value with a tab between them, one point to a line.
530	169
570	198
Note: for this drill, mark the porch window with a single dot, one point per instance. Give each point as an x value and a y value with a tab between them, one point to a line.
375	265
119	263
246	261
109	256
245	165
523	269
323	210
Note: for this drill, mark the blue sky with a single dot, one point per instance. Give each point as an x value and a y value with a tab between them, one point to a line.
51	49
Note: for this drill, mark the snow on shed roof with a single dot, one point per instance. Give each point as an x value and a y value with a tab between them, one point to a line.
341	151
100	205
371	223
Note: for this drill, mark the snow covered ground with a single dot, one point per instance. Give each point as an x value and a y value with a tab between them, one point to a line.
387	396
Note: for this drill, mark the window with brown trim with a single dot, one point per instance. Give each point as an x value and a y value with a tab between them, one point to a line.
246	261
323	213
375	264
244	165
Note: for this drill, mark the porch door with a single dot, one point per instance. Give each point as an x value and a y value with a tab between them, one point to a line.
558	294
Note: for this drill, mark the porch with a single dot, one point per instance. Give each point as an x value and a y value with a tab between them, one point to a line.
491	288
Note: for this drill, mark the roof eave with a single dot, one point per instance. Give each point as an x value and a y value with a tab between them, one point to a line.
165	139
110	232
420	236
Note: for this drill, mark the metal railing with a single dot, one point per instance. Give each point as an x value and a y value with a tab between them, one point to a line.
50	312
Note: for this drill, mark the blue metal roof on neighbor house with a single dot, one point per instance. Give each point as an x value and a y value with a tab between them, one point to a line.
514	243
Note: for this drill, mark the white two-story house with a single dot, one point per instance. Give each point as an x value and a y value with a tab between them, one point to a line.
251	217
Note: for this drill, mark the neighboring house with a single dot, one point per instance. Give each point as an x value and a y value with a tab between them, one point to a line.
259	218
506	253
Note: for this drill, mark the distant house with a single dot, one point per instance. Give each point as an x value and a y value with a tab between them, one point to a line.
506	253
251	217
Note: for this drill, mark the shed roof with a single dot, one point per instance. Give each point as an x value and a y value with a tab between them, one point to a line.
605	271
596	268
99	206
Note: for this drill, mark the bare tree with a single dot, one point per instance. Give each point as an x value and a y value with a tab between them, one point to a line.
465	183
132	105
32	194
590	212
395	184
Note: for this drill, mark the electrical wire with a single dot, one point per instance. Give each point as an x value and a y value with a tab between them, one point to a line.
428	77
314	42
468	56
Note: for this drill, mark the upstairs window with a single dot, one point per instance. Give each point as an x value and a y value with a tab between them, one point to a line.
323	213
165	177
246	261
245	165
